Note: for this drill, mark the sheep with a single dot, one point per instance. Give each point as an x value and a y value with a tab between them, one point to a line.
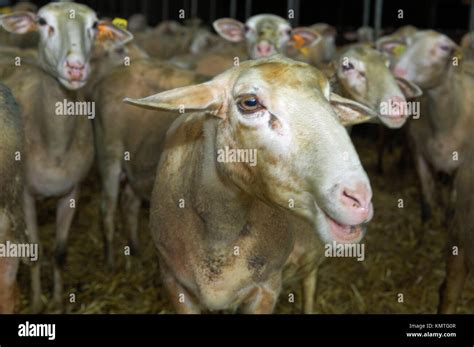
224	226
59	147
12	225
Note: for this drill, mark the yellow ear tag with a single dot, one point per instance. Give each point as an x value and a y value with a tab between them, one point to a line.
458	54
5	10
398	50
121	23
304	51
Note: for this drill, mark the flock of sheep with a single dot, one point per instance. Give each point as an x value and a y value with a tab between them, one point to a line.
240	142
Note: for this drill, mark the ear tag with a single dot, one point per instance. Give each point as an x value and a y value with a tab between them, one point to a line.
299	41
120	23
103	33
299	44
398	50
304	51
5	10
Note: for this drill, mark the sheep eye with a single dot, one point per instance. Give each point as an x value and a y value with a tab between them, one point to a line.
444	48
120	50
249	104
95	25
347	67
248	29
42	21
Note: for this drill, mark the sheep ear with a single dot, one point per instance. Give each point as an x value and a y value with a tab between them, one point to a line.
350	112
394	47
108	33
204	97
19	22
230	29
409	89
328	31
304	36
168	27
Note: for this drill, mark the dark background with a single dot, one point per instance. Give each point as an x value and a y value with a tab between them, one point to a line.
450	16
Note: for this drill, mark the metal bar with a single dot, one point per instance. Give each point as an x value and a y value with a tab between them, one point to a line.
340	14
186	8
123	8
144	7
233	8
366	13
248	9
290	7
165	7
378	18
433	9
194	8
297	13
471	17
112	9
213	12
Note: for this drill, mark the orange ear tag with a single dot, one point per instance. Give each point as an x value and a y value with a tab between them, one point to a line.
104	33
299	41
300	44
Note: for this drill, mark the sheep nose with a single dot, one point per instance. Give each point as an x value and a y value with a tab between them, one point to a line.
75	69
395	107
358	202
400	71
264	49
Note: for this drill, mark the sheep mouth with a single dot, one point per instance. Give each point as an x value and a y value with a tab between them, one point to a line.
72	83
344	233
393	121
